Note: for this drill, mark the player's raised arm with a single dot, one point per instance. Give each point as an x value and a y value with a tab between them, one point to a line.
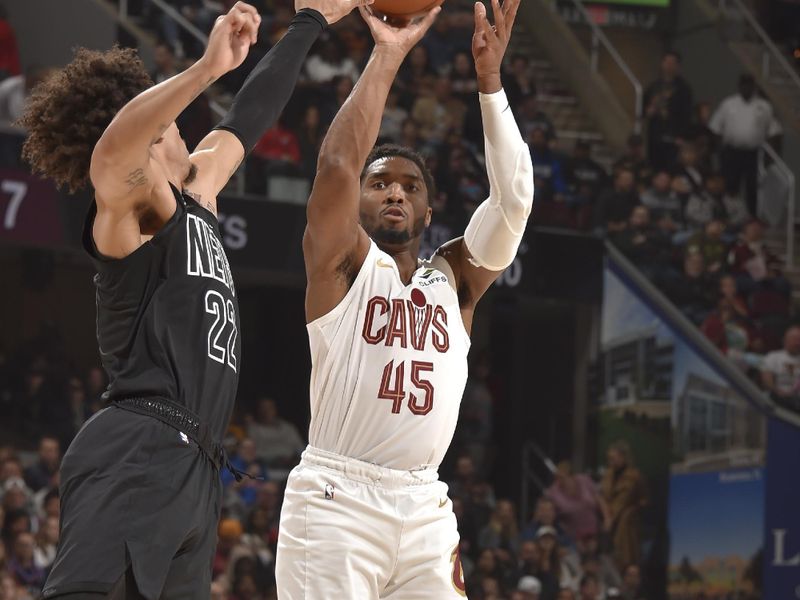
120	166
264	95
495	231
334	244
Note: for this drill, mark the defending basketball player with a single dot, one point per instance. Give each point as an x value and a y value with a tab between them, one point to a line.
140	485
364	514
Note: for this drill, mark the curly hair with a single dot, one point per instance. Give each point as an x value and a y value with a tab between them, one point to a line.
68	112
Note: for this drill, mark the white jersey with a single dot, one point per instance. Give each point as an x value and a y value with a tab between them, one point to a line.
389	366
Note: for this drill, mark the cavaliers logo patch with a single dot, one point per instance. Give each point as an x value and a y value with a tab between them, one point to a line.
458	574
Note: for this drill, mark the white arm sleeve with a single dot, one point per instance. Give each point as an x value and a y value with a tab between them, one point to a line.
495	230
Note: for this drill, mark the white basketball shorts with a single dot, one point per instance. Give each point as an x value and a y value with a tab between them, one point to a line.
356	531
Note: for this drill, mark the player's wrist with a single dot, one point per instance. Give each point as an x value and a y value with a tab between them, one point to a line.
489	83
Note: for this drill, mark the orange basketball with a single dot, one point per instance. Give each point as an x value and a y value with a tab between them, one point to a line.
403	10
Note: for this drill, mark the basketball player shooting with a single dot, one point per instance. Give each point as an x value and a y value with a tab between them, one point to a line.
140	484
364	514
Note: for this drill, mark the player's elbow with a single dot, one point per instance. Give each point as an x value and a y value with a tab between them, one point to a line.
332	166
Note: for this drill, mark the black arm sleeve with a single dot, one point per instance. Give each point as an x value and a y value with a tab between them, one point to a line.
269	86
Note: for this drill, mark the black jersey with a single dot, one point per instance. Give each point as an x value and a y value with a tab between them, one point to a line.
168	317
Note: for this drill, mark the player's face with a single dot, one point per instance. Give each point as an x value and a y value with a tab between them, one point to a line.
394	201
175	154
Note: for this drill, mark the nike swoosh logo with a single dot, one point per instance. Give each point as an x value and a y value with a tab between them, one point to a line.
442	503
384	264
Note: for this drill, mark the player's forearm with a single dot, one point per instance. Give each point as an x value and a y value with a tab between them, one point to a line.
355	129
269	86
495	230
144	119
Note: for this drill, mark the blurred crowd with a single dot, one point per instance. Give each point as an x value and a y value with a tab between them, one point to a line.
681	203
579	540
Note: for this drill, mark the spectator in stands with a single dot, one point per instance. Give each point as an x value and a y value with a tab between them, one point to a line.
245	461
692	290
615	205
278	443
551	571
753	265
726	330
165	63
46	542
661	200
632	583
668	109
463	78
41	474
393	118
14	92
21	564
635	160
589	589
544	515
409	134
576	500
592	560
743	122
339	90
688	169
728	291
701	208
475	423
79	408
780	373
565	594
529	587
9	54
527	559
440	44
321	67
585	179
530	118
701	136
415	75
517	79
96	383
309	137
624	494
439	113
645	246
501	533
710	245
229	534
486	567
550	186
465	478
713	203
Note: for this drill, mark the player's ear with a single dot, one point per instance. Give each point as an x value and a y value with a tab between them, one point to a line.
428	215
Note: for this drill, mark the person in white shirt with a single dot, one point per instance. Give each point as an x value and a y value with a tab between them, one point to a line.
278	443
744	122
780	372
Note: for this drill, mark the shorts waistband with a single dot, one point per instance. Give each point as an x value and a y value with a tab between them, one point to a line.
180	418
359	470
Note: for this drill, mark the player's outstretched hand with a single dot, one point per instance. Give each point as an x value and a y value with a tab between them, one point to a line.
395	38
231	38
332	10
489	43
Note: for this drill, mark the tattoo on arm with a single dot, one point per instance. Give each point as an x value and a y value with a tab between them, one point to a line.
135	179
199	199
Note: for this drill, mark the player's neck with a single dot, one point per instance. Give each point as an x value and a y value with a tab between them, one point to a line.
406	259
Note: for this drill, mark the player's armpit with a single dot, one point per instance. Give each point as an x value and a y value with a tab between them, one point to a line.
217	157
471	280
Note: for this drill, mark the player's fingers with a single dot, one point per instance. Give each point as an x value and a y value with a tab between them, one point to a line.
359	3
249	29
247	8
368	16
511	14
499	19
423	25
480	17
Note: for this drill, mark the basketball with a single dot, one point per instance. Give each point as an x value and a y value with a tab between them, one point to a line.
403	10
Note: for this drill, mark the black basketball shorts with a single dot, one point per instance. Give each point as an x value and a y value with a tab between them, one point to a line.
136	494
